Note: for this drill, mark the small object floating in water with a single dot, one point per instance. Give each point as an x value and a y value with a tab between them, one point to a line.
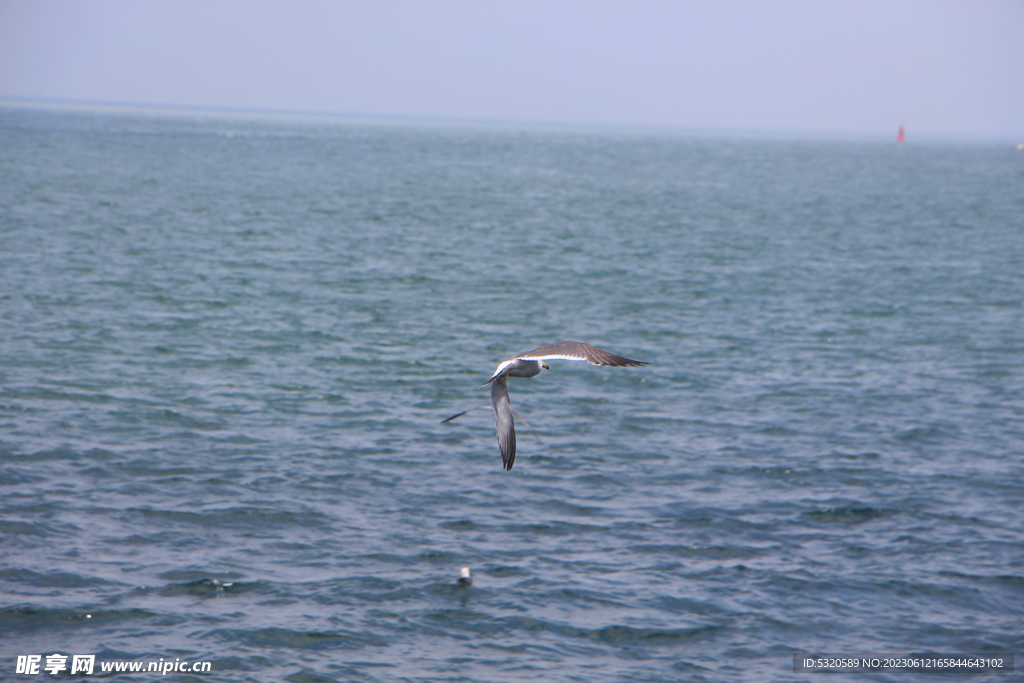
529	364
465	579
899	136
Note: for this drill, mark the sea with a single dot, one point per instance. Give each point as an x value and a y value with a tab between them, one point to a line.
228	342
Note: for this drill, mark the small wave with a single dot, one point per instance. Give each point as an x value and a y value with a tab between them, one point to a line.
851	514
211	588
276	637
37	528
614	634
30	618
56	579
243	516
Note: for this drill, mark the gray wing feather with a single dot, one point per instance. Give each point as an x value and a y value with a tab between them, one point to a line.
574	350
503	421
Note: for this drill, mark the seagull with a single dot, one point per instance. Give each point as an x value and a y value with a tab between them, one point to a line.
529	364
465	578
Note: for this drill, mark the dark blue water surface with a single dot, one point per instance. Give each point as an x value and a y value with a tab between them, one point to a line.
226	346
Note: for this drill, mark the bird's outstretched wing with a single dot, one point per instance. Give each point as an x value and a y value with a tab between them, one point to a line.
503	421
574	350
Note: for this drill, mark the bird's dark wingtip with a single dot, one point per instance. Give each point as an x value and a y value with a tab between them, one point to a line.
449	419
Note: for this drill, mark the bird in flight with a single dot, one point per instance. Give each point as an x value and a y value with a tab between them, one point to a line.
529	364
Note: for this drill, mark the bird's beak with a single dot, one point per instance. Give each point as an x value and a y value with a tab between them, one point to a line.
545	366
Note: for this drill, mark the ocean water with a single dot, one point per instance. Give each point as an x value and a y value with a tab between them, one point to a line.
227	345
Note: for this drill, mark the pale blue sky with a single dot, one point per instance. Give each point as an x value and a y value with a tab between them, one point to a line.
938	66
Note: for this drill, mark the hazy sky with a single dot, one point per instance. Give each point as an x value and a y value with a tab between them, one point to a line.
941	67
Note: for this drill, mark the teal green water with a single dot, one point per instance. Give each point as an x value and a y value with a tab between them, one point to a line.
227	346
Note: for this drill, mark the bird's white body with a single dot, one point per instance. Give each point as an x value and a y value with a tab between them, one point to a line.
518	367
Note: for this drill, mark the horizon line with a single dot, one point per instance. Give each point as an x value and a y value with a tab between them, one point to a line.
455	121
